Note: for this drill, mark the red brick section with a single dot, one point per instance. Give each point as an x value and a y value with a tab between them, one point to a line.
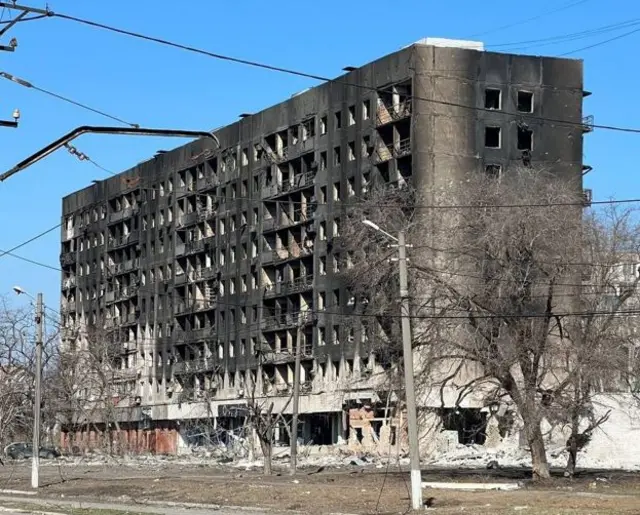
155	441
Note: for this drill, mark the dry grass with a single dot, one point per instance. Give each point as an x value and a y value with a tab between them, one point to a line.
345	491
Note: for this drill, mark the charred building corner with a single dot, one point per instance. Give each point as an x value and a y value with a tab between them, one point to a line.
196	267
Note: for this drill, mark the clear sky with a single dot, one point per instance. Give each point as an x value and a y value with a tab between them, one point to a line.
157	86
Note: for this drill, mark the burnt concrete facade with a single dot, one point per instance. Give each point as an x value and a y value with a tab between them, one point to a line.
200	262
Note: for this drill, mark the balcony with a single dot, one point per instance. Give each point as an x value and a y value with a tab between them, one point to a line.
67	258
68	283
187	189
298	182
123	241
123	268
186	308
284	254
187	219
193	366
195	335
118	216
286	321
387	114
289	287
276	157
386	152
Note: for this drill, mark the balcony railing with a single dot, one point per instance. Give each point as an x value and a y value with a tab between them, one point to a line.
387	114
286	320
296	252
289	287
183	308
303	180
187	219
386	152
193	365
127	212
129	239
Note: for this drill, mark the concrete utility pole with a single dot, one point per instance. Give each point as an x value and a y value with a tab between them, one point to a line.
296	398
407	350
37	406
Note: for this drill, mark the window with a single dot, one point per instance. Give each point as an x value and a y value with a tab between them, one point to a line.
323	125
245	157
492	137
337	117
494	171
321	300
352	115
492	98
323	194
366	109
336	191
525	102
525	138
336	156
351	151
308	129
322	336
323	160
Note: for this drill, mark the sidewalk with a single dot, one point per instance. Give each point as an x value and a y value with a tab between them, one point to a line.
62	506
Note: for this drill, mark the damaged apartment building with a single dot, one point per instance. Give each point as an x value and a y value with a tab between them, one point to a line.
199	264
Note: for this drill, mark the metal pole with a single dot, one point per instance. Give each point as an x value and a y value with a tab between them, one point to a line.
35	460
412	419
296	400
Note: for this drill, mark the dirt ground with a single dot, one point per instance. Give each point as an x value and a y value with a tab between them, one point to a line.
350	490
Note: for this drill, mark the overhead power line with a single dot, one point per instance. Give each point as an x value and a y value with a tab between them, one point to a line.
626	34
289	71
30	85
36	237
564	7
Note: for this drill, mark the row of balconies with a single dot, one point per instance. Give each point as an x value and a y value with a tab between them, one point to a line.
195	306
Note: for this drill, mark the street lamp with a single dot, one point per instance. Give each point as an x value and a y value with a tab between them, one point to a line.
407	351
35	459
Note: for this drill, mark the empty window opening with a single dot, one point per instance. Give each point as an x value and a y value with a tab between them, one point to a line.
492	137
494	171
352	115
338	119
323	125
366	109
323	160
352	151
336	156
525	102
525	138
492	98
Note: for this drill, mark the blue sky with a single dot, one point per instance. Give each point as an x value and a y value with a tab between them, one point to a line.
157	86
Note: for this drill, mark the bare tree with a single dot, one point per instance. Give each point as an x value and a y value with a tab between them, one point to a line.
497	291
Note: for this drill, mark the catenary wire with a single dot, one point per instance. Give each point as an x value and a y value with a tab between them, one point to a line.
321	78
30	85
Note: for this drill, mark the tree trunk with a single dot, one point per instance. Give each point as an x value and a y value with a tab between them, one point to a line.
265	444
539	464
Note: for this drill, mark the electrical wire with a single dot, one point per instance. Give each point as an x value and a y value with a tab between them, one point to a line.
321	78
27	84
565	38
38	236
564	7
626	34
